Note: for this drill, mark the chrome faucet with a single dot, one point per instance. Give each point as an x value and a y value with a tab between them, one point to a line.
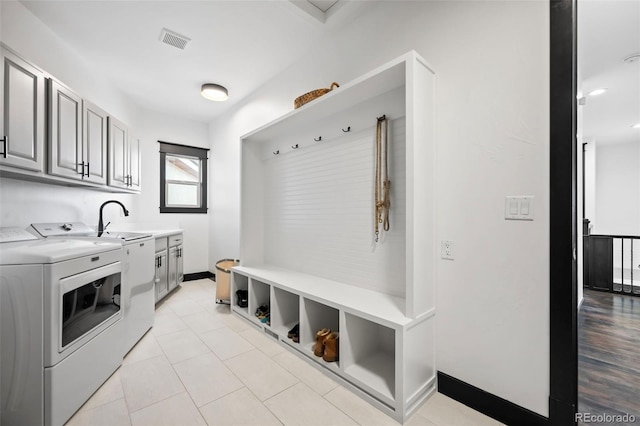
100	223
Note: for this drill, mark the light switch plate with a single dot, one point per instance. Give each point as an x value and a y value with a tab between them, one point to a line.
519	207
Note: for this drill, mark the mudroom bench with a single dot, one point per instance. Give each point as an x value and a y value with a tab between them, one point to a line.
383	355
311	252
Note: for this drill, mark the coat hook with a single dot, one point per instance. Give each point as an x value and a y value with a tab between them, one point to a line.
348	129
294	146
319	139
276	152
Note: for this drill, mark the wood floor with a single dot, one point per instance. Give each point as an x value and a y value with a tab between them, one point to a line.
609	354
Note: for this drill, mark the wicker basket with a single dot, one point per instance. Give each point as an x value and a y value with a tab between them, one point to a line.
308	97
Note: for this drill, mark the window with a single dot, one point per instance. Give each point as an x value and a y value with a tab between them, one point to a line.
183	179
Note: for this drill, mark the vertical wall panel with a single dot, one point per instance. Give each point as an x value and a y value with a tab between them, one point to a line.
319	211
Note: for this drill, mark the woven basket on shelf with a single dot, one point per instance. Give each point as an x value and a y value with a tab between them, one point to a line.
308	97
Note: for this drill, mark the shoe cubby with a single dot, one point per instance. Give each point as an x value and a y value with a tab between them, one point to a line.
239	282
369	357
259	295
285	312
317	316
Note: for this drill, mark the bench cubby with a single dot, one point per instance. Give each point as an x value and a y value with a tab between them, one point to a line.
317	316
369	358
259	295
285	311
239	282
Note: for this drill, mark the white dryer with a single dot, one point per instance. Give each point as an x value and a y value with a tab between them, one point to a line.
60	324
138	290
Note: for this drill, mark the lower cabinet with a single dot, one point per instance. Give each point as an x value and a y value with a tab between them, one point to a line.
169	265
161	275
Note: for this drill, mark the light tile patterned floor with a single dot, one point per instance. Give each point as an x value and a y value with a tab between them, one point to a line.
201	365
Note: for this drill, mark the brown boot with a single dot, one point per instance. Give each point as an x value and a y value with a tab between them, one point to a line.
319	347
331	347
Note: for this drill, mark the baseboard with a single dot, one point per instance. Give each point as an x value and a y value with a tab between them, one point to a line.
199	276
488	404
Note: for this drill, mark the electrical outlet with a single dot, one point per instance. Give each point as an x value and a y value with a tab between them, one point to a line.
446	250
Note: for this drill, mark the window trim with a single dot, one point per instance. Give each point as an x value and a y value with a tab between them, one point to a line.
186	151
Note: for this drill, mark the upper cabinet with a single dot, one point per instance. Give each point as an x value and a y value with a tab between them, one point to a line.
77	136
124	157
22	125
118	145
41	116
95	142
135	169
65	132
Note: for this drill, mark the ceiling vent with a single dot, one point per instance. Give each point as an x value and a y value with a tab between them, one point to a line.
174	39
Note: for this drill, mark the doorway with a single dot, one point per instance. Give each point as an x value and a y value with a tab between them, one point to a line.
609	107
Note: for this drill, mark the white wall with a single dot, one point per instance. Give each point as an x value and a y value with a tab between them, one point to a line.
491	60
152	127
23	203
618	189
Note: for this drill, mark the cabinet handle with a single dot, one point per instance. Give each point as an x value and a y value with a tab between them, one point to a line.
88	169
5	141
82	172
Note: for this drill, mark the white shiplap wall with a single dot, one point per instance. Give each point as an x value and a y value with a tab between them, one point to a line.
319	214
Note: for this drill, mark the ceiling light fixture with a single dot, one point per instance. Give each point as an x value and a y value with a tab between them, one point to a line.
632	58
597	92
636	126
214	92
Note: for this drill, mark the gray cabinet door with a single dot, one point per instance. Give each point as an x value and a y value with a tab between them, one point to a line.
173	268
65	134
161	275
22	124
180	265
118	154
134	164
94	139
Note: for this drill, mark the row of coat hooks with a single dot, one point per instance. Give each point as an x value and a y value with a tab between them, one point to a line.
318	139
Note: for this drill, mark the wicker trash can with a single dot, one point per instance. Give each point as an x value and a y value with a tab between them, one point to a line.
223	280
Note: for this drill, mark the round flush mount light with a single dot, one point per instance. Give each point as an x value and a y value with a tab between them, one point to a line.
214	92
597	92
636	126
632	58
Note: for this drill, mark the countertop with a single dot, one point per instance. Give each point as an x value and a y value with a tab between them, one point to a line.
157	233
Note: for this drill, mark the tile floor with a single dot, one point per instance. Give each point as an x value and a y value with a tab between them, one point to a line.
201	365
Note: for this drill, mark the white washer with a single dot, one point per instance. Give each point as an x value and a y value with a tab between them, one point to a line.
138	293
59	325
